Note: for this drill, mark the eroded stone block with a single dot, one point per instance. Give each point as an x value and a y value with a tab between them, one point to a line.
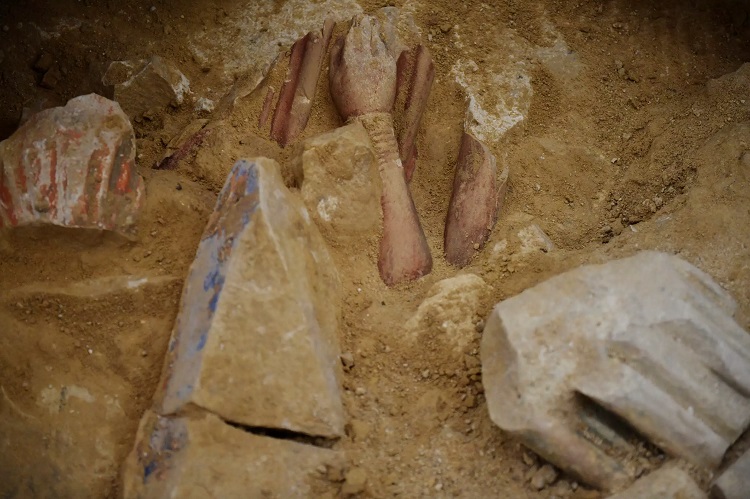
341	186
205	457
72	166
649	338
448	313
146	85
255	339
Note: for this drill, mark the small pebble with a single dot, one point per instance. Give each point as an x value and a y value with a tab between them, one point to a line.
347	359
354	482
546	475
179	186
360	391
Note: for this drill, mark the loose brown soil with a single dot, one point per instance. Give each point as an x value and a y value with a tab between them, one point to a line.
637	137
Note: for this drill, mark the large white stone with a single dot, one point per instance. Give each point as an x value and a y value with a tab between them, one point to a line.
649	338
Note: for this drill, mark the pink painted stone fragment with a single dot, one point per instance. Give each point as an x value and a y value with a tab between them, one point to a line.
72	166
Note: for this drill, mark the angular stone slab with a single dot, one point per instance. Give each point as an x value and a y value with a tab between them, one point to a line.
734	482
204	457
668	482
255	339
340	183
649	338
146	85
72	166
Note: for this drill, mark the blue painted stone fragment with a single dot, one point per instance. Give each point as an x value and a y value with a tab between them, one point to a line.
256	334
235	205
200	455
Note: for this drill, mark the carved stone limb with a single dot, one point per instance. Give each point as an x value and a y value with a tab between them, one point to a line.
415	74
478	195
298	91
363	86
404	254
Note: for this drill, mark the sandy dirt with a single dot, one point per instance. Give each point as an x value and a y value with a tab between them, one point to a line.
627	127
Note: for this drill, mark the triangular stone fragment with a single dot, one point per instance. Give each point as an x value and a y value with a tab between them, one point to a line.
255	339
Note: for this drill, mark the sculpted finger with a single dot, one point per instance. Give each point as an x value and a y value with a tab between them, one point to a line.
557	443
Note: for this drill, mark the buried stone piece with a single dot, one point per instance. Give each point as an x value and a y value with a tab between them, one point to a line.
146	85
195	456
363	86
338	175
255	337
650	339
72	166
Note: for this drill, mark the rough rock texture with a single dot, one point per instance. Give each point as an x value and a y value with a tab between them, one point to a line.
204	457
142	85
448	313
341	187
478	195
650	338
734	482
255	339
669	482
72	166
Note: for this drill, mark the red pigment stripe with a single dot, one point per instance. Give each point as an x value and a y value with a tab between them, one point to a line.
7	214
288	89
52	188
97	184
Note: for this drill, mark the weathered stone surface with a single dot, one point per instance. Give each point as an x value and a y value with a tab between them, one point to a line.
146	85
72	166
650	338
734	482
668	482
339	182
448	313
255	340
204	457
